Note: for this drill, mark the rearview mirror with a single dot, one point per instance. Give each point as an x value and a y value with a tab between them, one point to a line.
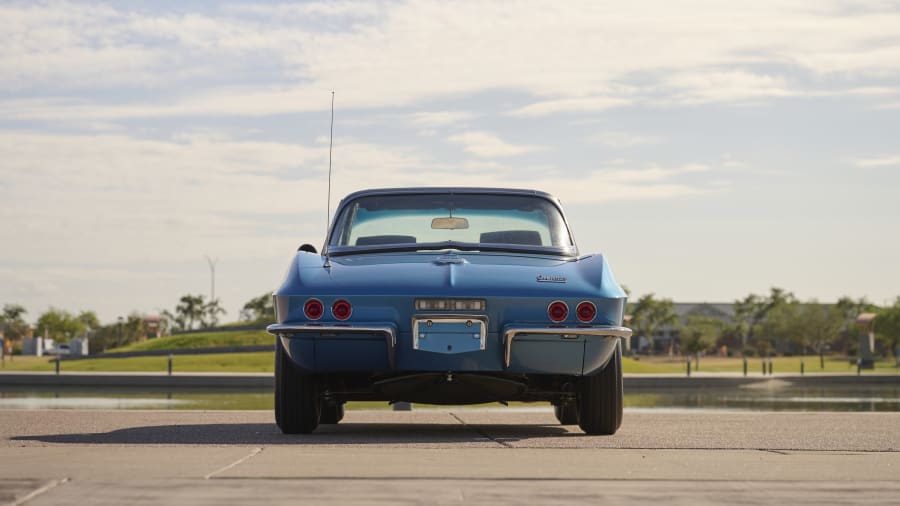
309	248
449	223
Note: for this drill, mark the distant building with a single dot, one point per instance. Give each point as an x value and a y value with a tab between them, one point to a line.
79	346
36	346
153	324
40	346
663	340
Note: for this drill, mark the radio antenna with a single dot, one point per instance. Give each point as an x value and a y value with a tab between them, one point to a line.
327	264
330	144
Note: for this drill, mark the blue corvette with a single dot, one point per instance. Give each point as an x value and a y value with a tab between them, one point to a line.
449	296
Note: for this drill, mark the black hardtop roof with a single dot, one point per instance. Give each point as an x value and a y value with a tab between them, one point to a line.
448	190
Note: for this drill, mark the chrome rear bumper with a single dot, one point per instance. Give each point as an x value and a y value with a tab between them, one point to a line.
389	332
510	333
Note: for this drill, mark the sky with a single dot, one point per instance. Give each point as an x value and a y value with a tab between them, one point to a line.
710	149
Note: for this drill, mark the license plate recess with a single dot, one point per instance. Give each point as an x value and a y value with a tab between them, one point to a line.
449	335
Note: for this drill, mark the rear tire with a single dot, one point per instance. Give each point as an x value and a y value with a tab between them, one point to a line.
566	413
600	398
297	402
331	413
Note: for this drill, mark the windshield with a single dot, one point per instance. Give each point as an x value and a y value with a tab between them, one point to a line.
417	221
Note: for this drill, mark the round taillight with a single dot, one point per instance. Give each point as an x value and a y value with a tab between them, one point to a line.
341	309
313	309
586	311
557	311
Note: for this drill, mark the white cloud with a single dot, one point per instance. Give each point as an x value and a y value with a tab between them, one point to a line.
109	199
105	197
439	118
132	70
623	182
572	58
569	105
873	91
615	139
488	145
302	12
869	163
121	212
733	86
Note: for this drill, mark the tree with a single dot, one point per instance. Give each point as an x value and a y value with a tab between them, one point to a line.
12	312
12	323
134	329
89	319
59	325
170	322
210	316
122	332
751	312
650	315
700	333
850	309
261	308
748	312
816	326
190	310
887	326
779	326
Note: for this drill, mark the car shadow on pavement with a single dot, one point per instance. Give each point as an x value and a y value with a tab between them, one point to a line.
342	434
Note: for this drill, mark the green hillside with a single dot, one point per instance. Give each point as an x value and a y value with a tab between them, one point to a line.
203	340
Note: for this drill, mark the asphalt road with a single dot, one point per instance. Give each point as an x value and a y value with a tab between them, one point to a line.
430	456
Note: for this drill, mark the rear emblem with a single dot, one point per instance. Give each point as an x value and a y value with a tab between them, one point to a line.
550	279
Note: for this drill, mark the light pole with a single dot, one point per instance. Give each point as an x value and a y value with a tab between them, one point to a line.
212	275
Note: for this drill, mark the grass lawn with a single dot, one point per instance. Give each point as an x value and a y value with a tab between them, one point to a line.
264	362
676	365
203	340
224	362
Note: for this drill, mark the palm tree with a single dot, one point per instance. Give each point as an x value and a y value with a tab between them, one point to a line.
210	316
170	322
259	308
190	310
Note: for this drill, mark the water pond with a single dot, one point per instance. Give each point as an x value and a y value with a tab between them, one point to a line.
791	398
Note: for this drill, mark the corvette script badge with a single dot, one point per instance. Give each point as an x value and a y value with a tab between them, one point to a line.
550	279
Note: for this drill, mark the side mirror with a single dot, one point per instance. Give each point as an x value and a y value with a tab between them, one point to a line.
309	248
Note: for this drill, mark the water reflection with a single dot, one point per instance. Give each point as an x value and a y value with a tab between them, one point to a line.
66	398
832	398
57	402
873	398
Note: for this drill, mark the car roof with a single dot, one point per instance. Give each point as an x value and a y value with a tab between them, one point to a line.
449	190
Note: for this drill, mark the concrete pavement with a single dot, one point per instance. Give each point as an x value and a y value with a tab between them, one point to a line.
449	456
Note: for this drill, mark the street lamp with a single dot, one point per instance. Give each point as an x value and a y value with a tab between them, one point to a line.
212	276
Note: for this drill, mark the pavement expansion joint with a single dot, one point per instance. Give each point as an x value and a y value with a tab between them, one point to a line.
530	479
35	493
245	458
482	433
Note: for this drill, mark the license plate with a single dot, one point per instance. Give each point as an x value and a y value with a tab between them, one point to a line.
449	335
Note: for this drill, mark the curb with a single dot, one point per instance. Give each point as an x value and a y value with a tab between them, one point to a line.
266	380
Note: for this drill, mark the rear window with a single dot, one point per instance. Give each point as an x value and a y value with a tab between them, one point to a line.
379	220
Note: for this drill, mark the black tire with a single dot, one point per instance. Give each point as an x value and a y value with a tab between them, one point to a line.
296	397
331	413
600	398
566	413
